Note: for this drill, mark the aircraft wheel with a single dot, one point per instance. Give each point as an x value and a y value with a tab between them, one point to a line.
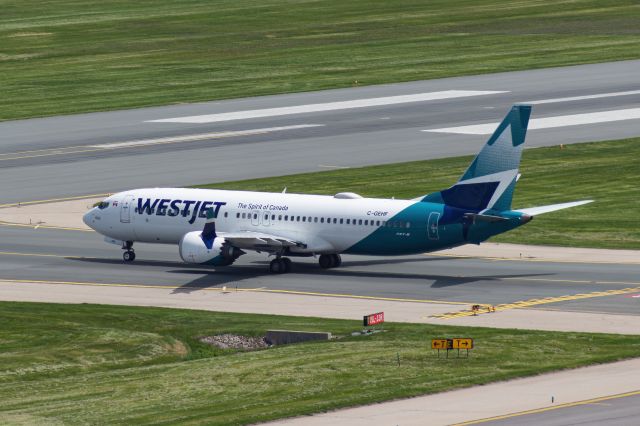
325	261
129	256
276	266
287	264
337	260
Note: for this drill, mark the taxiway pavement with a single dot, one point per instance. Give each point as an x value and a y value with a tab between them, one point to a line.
71	256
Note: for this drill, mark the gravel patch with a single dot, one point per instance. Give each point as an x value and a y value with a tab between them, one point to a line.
234	341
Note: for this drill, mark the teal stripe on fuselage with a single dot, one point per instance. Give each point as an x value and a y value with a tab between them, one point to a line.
418	238
415	239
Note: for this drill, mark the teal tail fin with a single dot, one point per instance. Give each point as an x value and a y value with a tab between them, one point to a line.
490	180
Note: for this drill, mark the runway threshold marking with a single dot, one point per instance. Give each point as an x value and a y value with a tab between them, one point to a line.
220	289
486	309
79	149
555	407
548	122
582	98
327	106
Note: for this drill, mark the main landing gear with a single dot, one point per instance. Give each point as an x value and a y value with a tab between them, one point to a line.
327	261
129	255
280	265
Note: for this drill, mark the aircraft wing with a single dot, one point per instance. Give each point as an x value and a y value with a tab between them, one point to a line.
258	240
534	211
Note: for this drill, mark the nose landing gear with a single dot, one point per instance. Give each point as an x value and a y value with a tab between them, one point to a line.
129	255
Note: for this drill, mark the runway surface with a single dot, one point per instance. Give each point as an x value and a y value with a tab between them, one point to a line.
615	411
76	256
278	135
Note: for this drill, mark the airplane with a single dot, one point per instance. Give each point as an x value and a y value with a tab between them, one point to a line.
216	227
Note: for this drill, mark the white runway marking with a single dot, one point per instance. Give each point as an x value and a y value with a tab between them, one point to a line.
549	122
581	98
201	136
329	106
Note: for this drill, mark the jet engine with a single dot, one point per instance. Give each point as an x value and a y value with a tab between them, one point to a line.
194	250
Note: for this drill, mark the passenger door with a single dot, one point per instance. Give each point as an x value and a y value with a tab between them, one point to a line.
125	209
432	226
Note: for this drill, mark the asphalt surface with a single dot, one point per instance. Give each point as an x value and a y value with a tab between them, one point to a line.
345	138
612	412
76	256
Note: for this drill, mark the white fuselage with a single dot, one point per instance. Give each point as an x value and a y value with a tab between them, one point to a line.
325	223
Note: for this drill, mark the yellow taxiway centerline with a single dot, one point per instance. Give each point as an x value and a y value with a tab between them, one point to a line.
36	226
486	309
259	290
52	200
525	259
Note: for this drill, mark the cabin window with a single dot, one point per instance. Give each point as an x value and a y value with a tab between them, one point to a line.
304	218
377	223
322	220
226	214
366	222
255	215
348	221
273	217
279	217
360	222
341	221
335	220
315	219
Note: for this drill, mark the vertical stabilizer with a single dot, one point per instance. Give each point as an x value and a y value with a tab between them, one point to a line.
490	180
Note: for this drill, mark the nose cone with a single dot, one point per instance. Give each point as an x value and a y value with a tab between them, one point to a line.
88	218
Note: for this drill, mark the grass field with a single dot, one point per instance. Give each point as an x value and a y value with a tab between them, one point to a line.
67	56
607	172
90	364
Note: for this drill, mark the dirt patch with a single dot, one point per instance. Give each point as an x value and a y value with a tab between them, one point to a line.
178	348
234	341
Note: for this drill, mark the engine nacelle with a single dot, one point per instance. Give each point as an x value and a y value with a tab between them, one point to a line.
193	250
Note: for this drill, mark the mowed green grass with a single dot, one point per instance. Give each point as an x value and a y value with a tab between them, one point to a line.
607	172
97	364
67	56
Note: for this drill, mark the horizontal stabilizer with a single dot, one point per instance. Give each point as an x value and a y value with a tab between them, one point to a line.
534	211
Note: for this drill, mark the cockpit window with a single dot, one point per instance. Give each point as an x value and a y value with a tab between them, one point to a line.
103	205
